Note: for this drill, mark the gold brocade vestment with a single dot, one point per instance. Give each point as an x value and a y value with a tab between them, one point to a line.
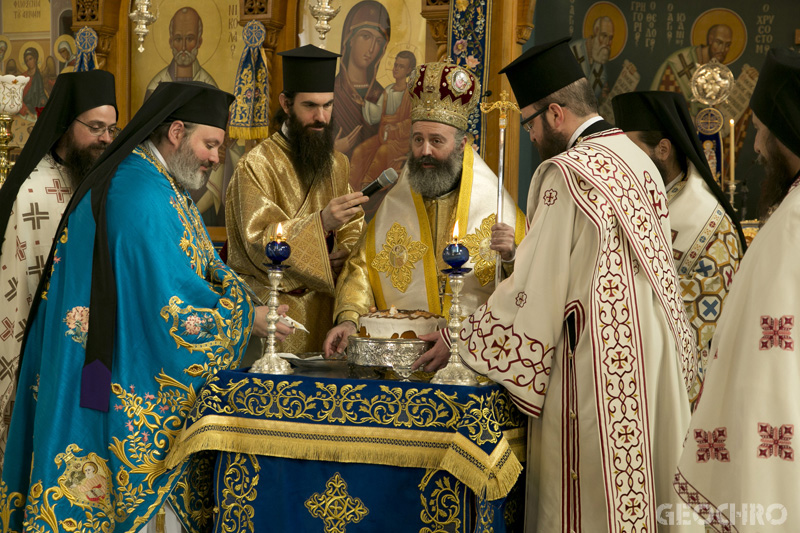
266	190
398	261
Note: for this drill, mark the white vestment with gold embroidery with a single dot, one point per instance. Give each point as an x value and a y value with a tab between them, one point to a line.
738	468
608	417
400	250
706	251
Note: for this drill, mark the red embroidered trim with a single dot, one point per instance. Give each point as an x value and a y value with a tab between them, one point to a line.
713	517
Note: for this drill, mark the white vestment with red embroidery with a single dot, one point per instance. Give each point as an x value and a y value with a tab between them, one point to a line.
610	415
738	468
37	211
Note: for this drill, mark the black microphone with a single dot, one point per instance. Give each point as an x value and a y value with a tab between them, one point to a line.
386	178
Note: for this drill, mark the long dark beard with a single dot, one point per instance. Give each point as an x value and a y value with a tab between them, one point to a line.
185	167
553	142
436	181
778	178
78	161
312	151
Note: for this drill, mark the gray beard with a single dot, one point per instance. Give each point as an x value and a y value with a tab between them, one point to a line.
437	181
185	168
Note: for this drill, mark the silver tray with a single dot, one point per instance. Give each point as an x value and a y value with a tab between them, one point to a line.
397	354
311	364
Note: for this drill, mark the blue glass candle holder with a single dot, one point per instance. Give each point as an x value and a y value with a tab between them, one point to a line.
455	255
278	252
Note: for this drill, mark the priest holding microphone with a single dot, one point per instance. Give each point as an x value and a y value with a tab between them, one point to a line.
398	260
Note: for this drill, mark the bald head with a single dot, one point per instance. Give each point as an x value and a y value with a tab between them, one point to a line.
185	35
719	39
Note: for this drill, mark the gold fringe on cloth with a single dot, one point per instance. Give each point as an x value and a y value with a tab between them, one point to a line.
491	476
236	132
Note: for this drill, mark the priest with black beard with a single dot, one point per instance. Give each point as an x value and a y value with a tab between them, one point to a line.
739	447
295	178
75	127
398	262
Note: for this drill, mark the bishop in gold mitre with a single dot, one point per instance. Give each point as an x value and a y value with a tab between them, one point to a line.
398	261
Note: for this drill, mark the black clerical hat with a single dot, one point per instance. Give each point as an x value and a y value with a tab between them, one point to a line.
209	107
542	70
73	93
189	101
668	113
308	69
776	98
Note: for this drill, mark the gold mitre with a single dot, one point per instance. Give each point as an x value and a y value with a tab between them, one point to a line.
443	92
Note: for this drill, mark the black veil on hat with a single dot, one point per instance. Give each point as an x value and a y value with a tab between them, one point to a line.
191	101
668	113
73	94
776	98
542	70
309	69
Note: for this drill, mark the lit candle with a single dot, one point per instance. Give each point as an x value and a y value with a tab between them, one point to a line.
733	154
278	250
455	254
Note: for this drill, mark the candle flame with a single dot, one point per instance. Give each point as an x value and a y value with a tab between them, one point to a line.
279	233
731	122
455	233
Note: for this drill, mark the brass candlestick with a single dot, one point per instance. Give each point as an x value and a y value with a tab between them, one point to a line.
270	362
11	88
277	251
455	373
5	138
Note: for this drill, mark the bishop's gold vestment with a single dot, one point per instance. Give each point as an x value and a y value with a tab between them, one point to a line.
266	190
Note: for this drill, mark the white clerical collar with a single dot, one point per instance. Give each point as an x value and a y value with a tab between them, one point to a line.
285	129
580	129
152	147
674	182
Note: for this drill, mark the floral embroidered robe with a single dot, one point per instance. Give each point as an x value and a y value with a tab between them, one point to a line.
738	468
706	251
590	338
398	261
182	315
266	190
34	220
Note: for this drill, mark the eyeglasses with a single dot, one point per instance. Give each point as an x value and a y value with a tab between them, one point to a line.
527	123
98	131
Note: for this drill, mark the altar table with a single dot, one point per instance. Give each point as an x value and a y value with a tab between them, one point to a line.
311	453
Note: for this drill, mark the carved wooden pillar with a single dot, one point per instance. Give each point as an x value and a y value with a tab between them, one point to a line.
436	13
525	10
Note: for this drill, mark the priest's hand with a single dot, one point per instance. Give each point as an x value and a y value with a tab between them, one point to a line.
336	341
342	209
345	143
260	323
337	259
503	241
436	357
